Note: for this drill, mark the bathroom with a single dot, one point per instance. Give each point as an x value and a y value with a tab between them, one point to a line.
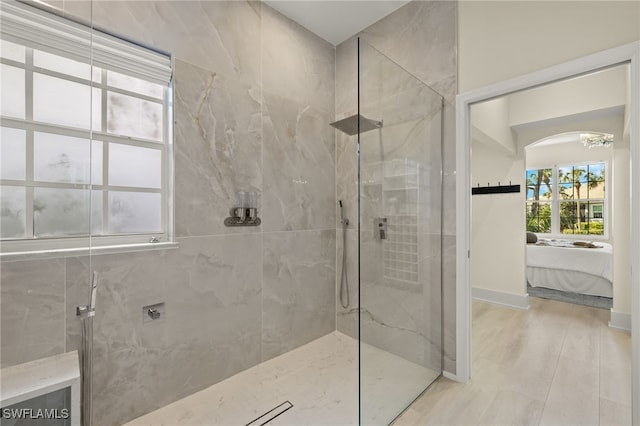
251	96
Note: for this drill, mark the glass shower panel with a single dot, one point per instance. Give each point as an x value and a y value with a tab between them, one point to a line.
400	237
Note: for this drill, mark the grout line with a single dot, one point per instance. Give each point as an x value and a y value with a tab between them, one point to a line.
600	345
555	372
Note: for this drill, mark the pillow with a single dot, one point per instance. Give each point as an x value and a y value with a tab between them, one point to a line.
531	238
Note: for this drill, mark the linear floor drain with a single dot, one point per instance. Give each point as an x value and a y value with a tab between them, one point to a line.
271	414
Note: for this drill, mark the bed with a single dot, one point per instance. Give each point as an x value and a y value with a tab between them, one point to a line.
560	265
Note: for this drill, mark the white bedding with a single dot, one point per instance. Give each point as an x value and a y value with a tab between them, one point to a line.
574	269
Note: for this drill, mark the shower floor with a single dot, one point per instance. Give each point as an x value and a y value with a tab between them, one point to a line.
320	380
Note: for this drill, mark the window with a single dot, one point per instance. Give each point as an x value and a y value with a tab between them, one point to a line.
539	194
567	199
596	211
85	139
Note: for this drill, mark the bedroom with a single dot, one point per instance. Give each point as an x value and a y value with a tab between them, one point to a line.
540	132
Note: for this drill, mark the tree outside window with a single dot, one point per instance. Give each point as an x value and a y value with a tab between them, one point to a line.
576	203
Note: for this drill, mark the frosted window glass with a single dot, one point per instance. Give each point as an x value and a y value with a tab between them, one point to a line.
134	117
61	212
65	102
12	51
96	162
96	103
12	97
13	150
131	212
60	158
134	166
133	84
66	66
13	207
96	213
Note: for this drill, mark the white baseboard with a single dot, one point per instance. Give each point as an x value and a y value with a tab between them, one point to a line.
451	376
620	321
515	301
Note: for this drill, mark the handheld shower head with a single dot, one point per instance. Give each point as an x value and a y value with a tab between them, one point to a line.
93	291
343	220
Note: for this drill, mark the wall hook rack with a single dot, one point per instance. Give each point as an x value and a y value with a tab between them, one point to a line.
499	189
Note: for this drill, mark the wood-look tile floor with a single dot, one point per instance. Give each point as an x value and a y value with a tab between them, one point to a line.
554	364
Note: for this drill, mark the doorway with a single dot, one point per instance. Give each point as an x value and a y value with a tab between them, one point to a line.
624	54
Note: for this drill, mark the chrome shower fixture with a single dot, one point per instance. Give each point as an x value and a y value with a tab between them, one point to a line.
90	309
350	124
245	213
344	278
86	314
343	220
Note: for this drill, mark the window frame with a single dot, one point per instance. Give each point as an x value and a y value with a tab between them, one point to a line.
81	243
555	200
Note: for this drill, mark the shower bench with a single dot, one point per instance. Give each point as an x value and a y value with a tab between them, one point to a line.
23	382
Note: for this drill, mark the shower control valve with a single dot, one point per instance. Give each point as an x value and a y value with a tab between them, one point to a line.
154	313
380	224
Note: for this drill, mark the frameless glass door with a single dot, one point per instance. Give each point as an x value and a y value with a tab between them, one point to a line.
400	196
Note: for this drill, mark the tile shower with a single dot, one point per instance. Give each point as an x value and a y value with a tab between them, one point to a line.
235	297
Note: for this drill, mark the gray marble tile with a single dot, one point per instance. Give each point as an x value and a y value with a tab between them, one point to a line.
347	318
421	37
400	318
346	78
296	63
32	310
449	301
216	312
298	166
125	353
218	35
347	177
430	275
429	28
217	149
449	169
299	297
81	9
77	281
211	288
393	319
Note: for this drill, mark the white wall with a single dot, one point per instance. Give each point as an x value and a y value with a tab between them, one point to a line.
621	222
498	40
498	222
491	124
598	91
565	153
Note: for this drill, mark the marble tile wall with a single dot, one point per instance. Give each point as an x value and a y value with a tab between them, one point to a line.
421	38
253	96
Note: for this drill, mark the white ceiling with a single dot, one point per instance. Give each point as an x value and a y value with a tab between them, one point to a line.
335	20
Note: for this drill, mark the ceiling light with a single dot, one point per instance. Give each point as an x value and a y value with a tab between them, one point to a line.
591	140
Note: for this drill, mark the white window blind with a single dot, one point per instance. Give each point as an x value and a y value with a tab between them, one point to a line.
32	27
85	137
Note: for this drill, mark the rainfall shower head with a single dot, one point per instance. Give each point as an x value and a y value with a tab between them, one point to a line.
349	125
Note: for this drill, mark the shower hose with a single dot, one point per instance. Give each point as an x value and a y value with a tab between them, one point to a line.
344	279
